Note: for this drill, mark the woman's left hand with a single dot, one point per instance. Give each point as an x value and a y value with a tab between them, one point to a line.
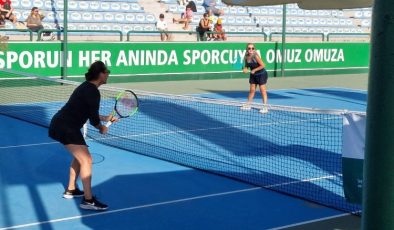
252	71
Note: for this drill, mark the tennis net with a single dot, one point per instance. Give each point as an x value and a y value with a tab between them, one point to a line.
296	151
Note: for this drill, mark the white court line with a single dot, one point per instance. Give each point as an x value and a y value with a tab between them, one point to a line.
311	221
28	145
300	181
131	208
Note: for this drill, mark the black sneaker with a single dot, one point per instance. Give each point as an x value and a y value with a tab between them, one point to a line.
93	204
69	194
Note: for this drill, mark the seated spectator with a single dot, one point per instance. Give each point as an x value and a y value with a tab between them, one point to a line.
2	21
162	26
210	7
6	10
34	22
204	26
218	28
187	18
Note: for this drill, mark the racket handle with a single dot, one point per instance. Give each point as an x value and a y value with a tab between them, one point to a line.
108	124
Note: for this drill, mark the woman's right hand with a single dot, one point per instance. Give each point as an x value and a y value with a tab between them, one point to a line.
103	129
245	70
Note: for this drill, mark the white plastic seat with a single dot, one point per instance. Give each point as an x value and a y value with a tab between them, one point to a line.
109	17
119	17
26	3
15	4
149	28
25	14
76	16
48	4
241	29
71	27
231	20
270	21
135	7
130	18
150	18
82	27
225	9
94	27
241	10
127	28
358	14
105	6
98	17
239	20
87	16
263	21
367	13
116	27
37	3
138	28
94	5
248	20
105	27
255	10
83	5
59	5
115	6
72	5
125	6
140	18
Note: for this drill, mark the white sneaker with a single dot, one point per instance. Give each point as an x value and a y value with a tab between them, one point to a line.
263	110
246	107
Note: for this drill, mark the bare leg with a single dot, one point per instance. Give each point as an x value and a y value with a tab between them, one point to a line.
263	91
75	168
82	155
252	92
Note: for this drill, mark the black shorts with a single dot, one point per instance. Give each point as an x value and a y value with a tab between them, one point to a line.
259	79
64	134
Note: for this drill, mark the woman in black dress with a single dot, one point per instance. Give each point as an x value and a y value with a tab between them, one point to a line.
66	127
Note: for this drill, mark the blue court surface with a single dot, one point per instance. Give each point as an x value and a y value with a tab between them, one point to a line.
144	192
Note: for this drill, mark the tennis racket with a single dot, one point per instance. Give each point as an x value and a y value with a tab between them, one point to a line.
126	104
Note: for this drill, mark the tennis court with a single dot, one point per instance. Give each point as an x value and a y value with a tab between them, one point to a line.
274	151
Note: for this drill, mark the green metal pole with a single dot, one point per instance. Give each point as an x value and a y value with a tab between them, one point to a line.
283	41
378	189
65	41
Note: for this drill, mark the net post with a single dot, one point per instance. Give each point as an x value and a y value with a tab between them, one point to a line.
378	189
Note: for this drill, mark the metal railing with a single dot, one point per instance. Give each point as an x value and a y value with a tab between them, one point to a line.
347	34
298	34
236	33
40	32
19	30
196	33
129	33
